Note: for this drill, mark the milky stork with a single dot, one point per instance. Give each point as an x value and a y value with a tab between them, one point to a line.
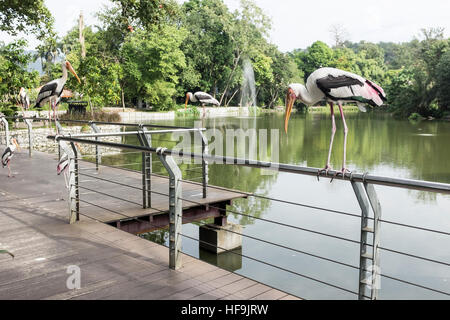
62	167
51	91
334	86
24	100
201	97
8	154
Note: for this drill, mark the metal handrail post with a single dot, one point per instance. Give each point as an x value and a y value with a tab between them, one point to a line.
204	163
175	208
6	126
148	167
376	266
369	259
144	184
30	136
98	156
74	195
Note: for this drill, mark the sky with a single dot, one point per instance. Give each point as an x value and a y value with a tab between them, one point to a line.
299	23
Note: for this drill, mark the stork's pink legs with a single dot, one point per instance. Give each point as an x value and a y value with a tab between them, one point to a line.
333	131
9	171
327	168
344	168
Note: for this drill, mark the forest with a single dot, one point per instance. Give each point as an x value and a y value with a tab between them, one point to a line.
148	54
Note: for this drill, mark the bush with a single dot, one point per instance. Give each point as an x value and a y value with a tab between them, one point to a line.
415	117
190	112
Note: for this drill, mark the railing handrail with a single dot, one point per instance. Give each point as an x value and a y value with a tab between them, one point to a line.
124	124
356	177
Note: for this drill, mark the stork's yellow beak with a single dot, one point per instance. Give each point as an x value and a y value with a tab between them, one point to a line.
69	66
290	99
185	104
16	143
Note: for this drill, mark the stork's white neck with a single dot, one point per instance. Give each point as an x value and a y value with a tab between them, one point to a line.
303	94
192	97
64	71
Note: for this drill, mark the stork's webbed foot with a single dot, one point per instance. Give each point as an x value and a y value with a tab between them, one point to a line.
324	170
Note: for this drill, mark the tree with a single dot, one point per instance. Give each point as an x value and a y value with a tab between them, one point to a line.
25	16
151	63
316	56
208	47
443	81
13	71
339	35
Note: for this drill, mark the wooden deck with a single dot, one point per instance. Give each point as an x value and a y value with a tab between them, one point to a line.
114	264
128	201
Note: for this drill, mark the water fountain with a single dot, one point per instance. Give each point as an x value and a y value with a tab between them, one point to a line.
248	89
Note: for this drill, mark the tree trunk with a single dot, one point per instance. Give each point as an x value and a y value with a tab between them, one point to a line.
123	98
231	99
81	36
230	77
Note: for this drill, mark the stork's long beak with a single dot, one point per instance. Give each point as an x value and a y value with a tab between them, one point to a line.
185	104
290	99
73	72
17	144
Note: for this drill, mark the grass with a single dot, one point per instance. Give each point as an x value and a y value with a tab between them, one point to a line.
326	109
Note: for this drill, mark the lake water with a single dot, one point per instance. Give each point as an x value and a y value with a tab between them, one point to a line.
377	144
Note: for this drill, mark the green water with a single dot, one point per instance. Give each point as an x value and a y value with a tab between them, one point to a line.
376	144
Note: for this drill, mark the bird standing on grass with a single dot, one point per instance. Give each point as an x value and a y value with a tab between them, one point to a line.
8	154
334	86
201	97
51	92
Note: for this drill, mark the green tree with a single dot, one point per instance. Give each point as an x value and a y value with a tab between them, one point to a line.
151	64
25	16
443	81
13	71
208	47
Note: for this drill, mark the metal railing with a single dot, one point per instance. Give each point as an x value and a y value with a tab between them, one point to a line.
143	134
362	184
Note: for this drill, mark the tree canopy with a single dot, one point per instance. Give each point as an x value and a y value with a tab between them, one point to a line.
24	16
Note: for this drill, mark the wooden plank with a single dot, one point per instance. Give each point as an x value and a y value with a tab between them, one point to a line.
114	264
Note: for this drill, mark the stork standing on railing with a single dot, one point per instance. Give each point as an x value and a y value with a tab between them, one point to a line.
8	154
202	97
334	86
51	92
24	100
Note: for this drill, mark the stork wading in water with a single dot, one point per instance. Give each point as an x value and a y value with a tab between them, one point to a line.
202	97
334	86
8	154
51	91
24	100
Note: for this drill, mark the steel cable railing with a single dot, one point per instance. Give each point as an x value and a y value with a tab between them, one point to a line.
287	168
289	248
304	229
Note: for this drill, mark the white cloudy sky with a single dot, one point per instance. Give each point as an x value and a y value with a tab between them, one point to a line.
298	23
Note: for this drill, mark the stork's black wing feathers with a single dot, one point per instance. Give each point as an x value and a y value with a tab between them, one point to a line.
47	90
5	156
331	82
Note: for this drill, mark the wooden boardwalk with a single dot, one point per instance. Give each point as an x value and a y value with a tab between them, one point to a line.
114	264
126	202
